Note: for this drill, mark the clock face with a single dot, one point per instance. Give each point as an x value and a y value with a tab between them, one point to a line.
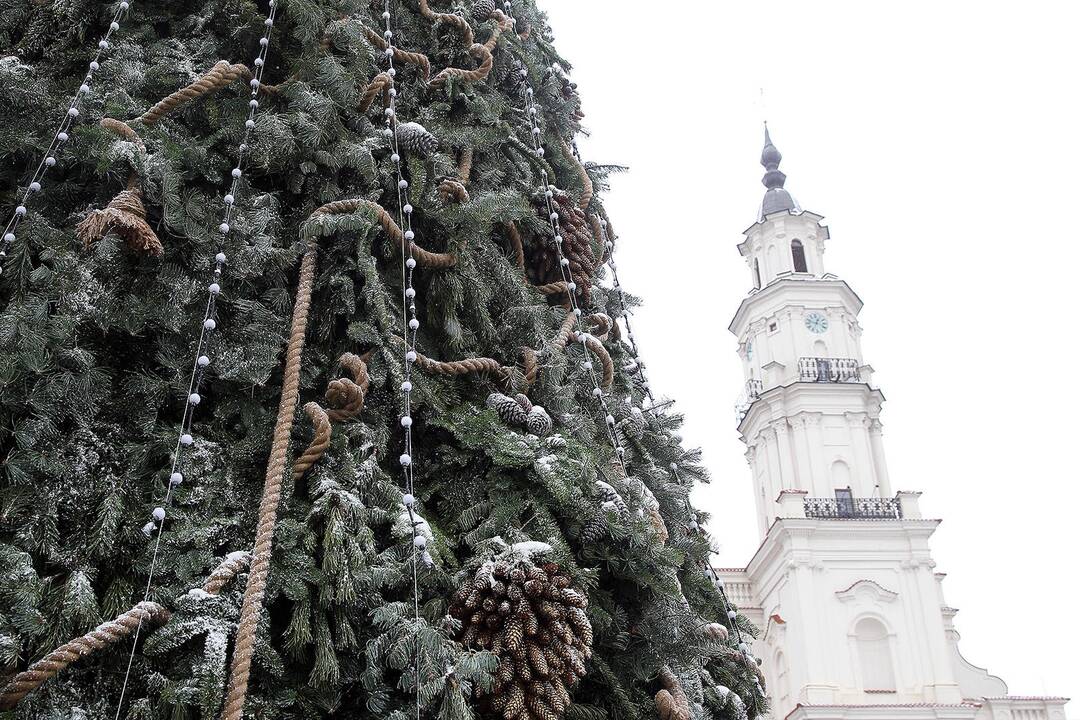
816	323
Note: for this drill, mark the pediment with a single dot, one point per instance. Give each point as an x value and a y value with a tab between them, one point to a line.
867	590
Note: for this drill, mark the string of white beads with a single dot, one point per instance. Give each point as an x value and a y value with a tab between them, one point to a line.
548	189
61	135
405	137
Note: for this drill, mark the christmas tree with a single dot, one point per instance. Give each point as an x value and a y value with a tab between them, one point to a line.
317	397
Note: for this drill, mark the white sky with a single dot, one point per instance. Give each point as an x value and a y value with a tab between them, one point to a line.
939	140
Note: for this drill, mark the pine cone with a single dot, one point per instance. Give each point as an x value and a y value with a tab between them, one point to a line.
594	529
482	9
716	631
524	402
538	421
508	409
414	137
540	635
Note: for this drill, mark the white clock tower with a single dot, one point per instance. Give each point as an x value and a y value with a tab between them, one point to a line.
843	586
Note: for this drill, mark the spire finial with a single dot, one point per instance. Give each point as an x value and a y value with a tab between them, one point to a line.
776	197
770	160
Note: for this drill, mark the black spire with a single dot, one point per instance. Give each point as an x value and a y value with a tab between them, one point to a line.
777	198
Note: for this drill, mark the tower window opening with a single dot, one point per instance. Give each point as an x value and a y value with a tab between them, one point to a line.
757	275
798	256
875	656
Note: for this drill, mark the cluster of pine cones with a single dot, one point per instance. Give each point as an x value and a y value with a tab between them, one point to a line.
520	411
577	248
535	623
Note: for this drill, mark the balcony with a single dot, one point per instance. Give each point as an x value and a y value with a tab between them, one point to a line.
751	392
829	370
852	508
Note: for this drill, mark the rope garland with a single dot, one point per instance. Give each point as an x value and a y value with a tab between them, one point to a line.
465	165
482	52
451	190
243	650
104	635
60	135
404	240
347	397
516	244
109	633
583	176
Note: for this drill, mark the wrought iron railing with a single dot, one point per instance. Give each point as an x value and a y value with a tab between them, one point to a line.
853	508
829	370
750	393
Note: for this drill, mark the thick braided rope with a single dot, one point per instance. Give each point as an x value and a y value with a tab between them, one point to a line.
413	58
463	367
229	568
318	444
125	215
124	130
482	70
379	85
459	23
529	365
554	288
240	671
109	633
602	325
439	261
100	637
482	52
606	365
452	190
349	396
465	165
566	330
504	23
583	176
222	74
519	248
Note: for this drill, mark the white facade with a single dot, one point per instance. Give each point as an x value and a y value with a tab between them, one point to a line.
843	586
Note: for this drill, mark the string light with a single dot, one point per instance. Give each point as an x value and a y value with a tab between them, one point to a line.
61	135
411	324
155	527
532	113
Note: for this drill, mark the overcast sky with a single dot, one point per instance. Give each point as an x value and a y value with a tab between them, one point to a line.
940	142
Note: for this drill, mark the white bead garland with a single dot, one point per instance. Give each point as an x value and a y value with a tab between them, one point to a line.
411	327
186	438
548	190
60	136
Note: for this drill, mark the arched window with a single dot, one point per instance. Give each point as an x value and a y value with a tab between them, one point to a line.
841	474
875	657
821	350
798	256
757	275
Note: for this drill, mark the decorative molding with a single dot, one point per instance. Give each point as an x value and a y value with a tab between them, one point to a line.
866	589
